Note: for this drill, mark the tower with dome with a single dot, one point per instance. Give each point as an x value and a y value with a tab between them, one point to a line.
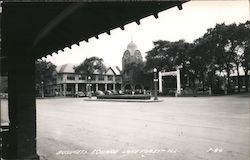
132	64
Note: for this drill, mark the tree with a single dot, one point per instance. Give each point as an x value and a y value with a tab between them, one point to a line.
167	55
222	49
246	63
223	46
201	63
158	56
45	72
90	65
244	43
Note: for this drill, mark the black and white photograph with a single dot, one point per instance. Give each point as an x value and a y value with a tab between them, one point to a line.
125	80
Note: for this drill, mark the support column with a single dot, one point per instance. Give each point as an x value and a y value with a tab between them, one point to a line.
20	141
160	82
113	86
96	87
76	88
61	91
106	87
86	87
64	89
178	77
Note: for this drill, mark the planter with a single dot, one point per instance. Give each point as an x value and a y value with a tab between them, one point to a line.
124	97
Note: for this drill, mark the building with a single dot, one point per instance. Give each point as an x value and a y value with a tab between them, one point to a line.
37	40
132	64
244	80
68	82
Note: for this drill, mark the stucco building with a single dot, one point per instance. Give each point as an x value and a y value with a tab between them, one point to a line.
68	82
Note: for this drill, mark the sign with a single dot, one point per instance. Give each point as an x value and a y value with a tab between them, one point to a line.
155	80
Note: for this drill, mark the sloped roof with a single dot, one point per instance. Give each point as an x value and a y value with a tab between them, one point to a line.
117	70
110	71
67	68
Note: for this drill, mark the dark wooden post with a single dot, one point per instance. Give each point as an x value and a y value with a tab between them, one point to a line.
20	141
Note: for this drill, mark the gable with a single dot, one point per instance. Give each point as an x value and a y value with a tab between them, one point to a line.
110	71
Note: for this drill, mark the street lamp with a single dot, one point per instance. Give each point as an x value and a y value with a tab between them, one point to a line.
89	78
42	89
155	84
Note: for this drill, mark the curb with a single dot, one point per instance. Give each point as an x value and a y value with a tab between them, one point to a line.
123	100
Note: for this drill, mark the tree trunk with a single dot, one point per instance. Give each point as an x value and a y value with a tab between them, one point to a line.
246	80
210	81
203	82
238	78
228	81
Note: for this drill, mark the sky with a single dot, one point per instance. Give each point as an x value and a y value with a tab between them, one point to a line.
173	24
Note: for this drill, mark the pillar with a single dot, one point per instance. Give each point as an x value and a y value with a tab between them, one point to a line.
106	87
160	82
96	87
76	88
20	141
113	86
64	89
86	87
178	77
60	85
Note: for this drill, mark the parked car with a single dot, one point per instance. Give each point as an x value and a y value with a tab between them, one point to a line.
79	94
114	92
108	92
99	93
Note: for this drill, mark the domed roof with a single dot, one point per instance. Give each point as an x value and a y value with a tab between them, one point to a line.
132	45
132	48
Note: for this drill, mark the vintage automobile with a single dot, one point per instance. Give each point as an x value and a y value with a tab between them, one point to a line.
79	94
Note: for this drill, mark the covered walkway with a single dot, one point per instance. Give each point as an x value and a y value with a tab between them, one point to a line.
34	30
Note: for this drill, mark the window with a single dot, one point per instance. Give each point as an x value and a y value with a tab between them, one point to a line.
81	78
117	78
70	77
110	78
101	78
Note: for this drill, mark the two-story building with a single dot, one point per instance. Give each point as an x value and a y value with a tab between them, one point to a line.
68	82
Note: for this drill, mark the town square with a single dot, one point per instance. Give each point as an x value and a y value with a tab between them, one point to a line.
125	80
176	128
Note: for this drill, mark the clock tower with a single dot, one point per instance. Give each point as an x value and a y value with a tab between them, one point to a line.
131	61
131	55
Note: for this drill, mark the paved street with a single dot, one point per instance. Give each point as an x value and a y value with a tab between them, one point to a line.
184	128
